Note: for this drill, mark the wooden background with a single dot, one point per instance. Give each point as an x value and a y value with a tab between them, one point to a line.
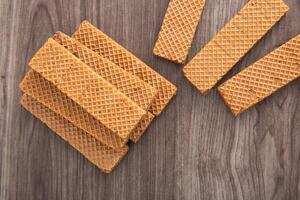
195	150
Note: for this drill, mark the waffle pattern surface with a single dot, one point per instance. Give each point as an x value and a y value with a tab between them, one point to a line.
80	83
50	96
233	42
137	90
99	154
178	29
263	78
99	42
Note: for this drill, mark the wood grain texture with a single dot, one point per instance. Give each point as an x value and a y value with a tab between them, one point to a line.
195	150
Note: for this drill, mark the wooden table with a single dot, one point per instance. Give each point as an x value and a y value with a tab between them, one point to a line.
195	150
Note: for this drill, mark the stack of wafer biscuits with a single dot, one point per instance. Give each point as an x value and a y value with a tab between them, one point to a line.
95	99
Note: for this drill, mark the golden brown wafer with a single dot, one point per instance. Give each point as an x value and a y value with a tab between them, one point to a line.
178	29
99	42
233	42
99	154
50	96
80	83
137	90
46	93
263	78
141	128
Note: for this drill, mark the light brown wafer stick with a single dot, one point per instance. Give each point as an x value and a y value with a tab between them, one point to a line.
99	154
233	42
178	29
80	83
137	90
99	42
263	78
50	96
46	93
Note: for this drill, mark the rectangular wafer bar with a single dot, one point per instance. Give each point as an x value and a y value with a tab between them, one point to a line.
137	90
46	93
178	29
99	42
99	154
263	78
80	83
233	42
50	96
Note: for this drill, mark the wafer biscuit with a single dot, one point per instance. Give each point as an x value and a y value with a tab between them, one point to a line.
46	93
137	90
99	42
80	83
178	29
233	42
99	154
50	96
263	78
